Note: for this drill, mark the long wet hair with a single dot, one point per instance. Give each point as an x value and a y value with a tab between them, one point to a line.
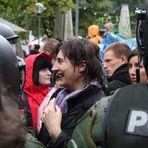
82	50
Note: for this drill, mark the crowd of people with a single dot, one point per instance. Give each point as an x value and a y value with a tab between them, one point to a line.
62	91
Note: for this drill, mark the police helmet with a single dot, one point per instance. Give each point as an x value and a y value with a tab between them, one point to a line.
7	33
13	39
9	72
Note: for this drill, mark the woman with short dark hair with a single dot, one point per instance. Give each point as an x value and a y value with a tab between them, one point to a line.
134	64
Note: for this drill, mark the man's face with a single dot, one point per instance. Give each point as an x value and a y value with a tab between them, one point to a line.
67	73
111	63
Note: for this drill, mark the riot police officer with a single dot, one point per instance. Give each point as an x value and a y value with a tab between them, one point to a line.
120	120
12	130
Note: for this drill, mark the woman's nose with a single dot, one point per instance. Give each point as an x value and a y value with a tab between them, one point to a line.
49	72
133	70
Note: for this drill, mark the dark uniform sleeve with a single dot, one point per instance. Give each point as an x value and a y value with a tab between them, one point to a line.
60	142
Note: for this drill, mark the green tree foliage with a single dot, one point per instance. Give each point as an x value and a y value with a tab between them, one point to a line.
102	11
133	4
22	13
91	10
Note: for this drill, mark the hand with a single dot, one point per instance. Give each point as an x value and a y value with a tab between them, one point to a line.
52	118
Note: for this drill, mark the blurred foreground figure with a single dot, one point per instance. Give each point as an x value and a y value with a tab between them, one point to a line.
12	131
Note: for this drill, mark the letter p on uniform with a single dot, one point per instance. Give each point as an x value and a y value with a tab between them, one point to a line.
137	119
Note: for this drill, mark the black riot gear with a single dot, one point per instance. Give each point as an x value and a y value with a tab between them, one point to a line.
13	39
9	72
7	33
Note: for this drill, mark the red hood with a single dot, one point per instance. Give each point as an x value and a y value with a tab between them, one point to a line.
35	94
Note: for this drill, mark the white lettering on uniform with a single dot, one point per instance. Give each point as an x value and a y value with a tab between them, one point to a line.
137	119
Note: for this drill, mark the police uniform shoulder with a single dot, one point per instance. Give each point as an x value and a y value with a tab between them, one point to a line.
133	87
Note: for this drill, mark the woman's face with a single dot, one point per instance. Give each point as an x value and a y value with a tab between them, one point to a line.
44	77
133	65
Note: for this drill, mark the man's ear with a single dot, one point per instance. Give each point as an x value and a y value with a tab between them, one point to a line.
82	66
124	59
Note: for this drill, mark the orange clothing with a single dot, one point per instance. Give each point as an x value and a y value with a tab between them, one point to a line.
93	34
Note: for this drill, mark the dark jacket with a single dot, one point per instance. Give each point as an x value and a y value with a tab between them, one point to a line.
120	78
77	106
